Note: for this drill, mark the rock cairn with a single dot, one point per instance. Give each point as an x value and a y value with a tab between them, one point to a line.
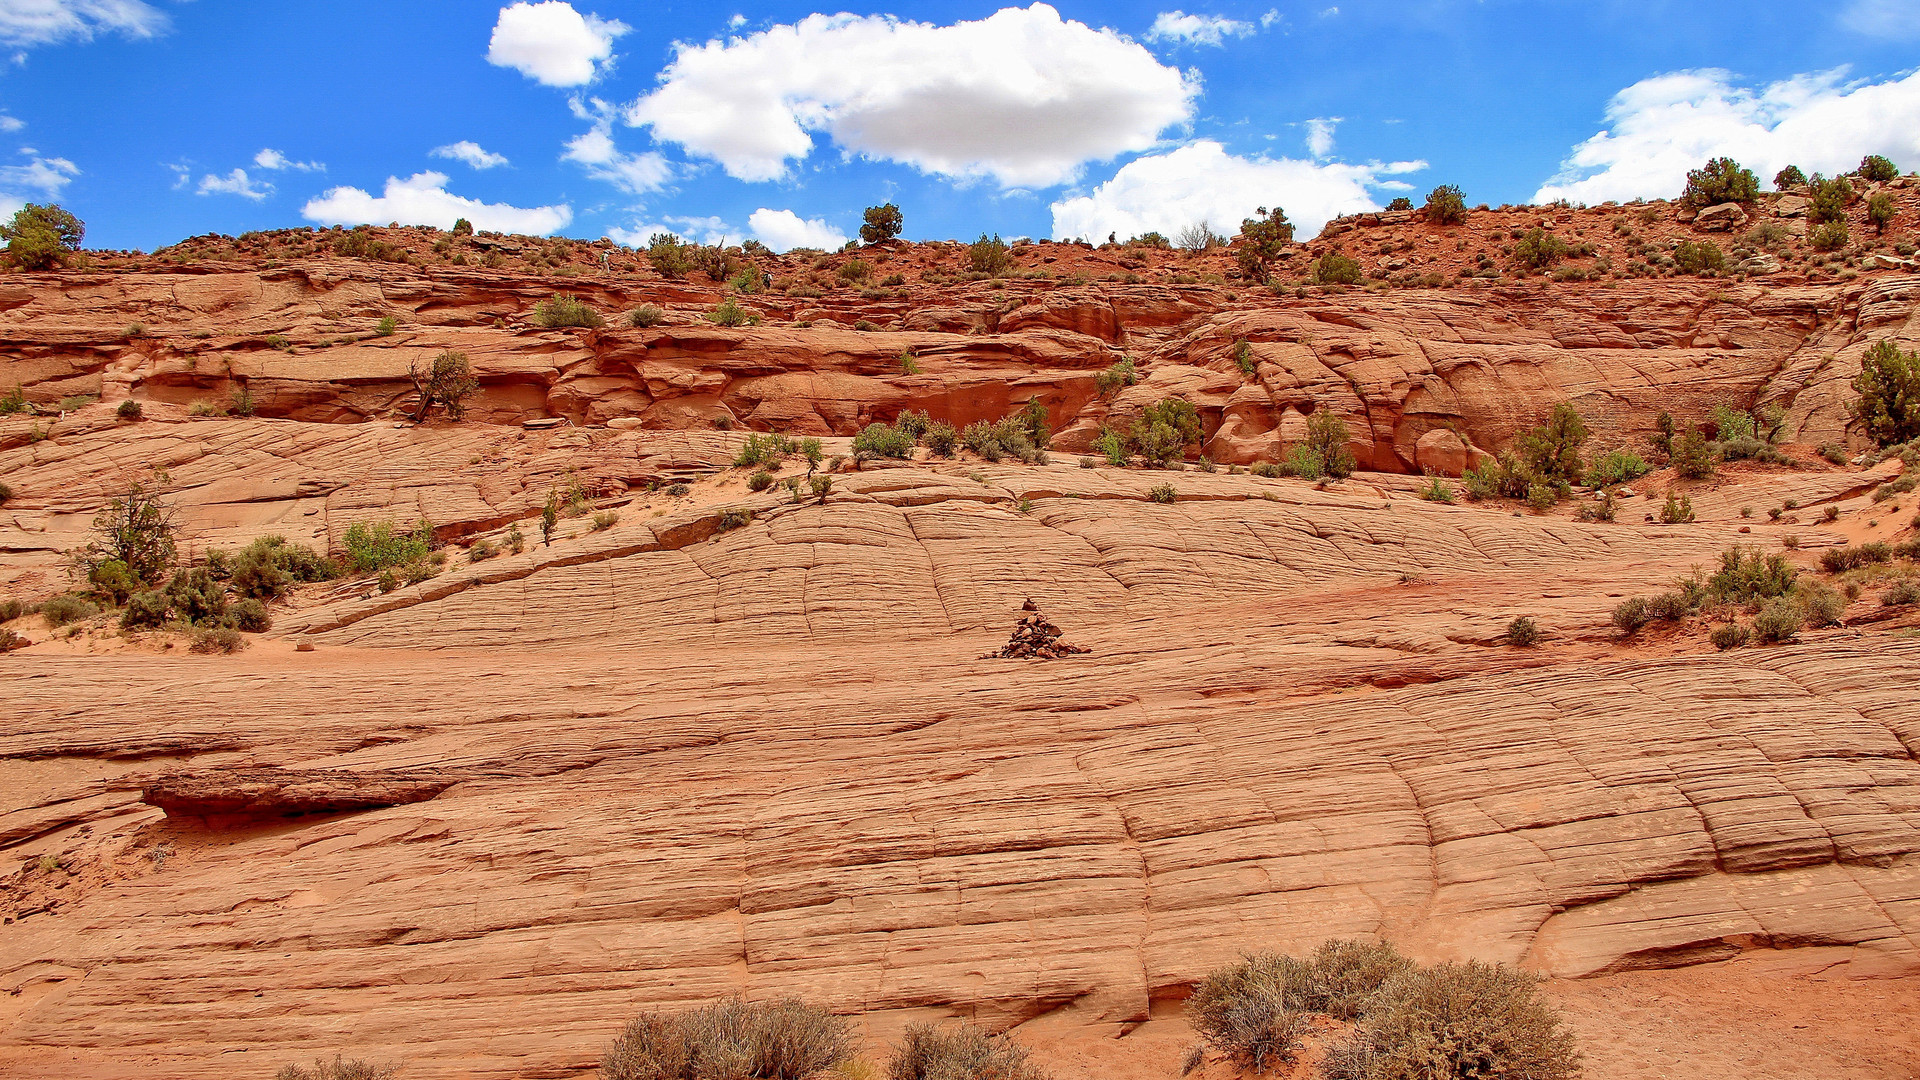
1035	638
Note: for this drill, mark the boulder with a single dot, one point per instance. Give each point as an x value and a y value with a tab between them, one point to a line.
1446	453
1722	217
1791	206
229	796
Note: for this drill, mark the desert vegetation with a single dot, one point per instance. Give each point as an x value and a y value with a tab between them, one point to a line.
1395	1019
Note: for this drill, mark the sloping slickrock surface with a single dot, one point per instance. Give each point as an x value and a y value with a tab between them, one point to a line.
771	759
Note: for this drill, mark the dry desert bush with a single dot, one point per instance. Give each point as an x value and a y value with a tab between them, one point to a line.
1447	1022
730	1040
968	1053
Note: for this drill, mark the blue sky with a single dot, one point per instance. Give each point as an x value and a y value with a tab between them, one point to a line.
159	119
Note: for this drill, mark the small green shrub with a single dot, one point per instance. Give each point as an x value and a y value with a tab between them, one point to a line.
1468	1021
249	615
147	608
1791	176
928	1053
1880	210
1889	387
1820	604
67	608
1446	205
1325	453
1437	490
1693	457
270	567
386	326
989	256
760	481
338	1068
1729	636
1721	180
759	449
1164	430
882	441
1522	632
128	410
1699	257
1901	593
1335	268
1616	467
1677	510
735	519
670	256
1837	560
646	315
565	310
1830	236
1117	376
940	438
376	546
1163	493
1876	169
730	314
1539	249
881	223
1631	614
607	519
1779	621
211	640
1243	357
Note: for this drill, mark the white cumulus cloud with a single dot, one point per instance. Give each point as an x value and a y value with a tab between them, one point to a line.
1181	28
470	152
1021	96
44	176
697	230
553	44
635	173
423	199
274	159
11	123
784	230
1882	18
1659	128
1320	135
1202	182
43	22
236	182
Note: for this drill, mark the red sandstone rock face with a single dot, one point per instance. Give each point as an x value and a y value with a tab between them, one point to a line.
698	757
1480	364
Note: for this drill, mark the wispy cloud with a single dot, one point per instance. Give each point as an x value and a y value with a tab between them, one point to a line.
236	182
274	159
1882	18
1178	27
26	23
470	153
